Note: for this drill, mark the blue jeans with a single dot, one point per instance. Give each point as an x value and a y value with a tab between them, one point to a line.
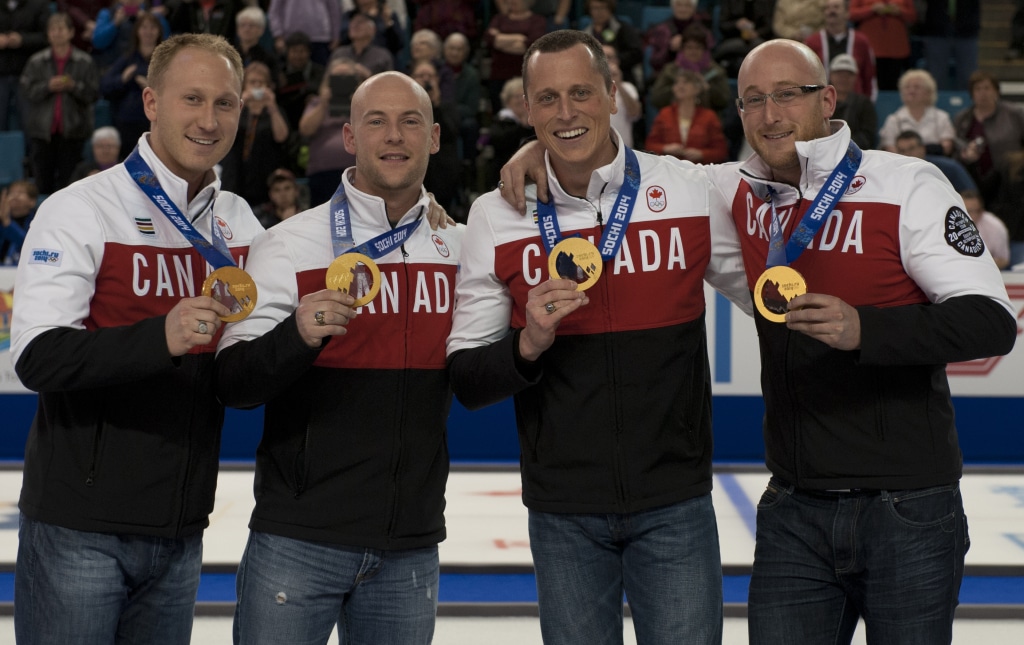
97	588
666	560
823	560
293	591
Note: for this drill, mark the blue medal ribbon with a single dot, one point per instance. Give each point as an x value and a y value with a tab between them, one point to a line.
615	232
342	240
785	253
216	254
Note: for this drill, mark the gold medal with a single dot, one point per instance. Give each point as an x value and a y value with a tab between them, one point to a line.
774	289
574	258
356	275
233	288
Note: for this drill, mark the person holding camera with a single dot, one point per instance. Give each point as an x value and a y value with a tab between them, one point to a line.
259	147
445	170
321	125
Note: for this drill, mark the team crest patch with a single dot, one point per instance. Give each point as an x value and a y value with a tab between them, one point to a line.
656	199
439	244
856	184
145	226
224	228
962	234
49	257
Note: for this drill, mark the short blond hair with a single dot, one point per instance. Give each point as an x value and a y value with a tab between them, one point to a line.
167	50
923	76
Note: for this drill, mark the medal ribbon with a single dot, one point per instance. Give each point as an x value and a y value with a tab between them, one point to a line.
781	252
615	232
217	253
341	231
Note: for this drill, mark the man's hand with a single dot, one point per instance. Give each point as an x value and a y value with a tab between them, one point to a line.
192	322
528	161
437	216
547	304
324	313
826	318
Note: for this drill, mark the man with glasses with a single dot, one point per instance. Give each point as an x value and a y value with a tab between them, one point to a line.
868	277
884	273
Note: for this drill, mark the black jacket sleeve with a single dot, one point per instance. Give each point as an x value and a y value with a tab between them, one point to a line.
250	373
485	375
66	359
960	329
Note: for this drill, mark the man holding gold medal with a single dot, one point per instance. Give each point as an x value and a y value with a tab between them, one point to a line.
868	278
591	314
346	348
115	326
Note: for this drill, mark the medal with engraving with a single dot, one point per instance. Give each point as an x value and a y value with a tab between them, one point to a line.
775	288
354	274
229	285
779	283
575	258
353	270
233	288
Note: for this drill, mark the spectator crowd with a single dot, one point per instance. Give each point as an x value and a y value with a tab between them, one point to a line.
72	74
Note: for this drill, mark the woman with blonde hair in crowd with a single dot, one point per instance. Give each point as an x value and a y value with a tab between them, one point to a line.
685	129
918	92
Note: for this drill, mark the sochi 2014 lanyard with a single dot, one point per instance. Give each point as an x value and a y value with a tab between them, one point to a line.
342	240
615	232
782	253
216	253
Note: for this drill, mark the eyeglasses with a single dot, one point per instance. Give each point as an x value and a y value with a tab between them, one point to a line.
783	97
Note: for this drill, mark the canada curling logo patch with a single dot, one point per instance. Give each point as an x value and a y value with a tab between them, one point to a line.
656	200
439	244
961	233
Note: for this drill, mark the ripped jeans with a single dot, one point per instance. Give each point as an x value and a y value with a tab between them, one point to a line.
293	591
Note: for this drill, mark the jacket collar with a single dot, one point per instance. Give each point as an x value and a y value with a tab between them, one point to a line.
603	180
177	188
372	208
818	158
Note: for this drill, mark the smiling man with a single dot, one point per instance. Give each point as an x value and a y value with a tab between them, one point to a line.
591	314
351	470
863	516
111	330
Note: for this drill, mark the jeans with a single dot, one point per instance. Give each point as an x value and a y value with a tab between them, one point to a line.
293	591
822	560
97	588
666	560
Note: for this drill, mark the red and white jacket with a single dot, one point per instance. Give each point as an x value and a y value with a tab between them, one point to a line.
616	415
900	248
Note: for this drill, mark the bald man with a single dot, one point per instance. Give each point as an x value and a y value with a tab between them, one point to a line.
351	470
863	516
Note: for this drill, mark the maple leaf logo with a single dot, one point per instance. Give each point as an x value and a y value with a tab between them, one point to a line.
656	200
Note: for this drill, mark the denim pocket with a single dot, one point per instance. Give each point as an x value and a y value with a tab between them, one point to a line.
925	507
772	496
